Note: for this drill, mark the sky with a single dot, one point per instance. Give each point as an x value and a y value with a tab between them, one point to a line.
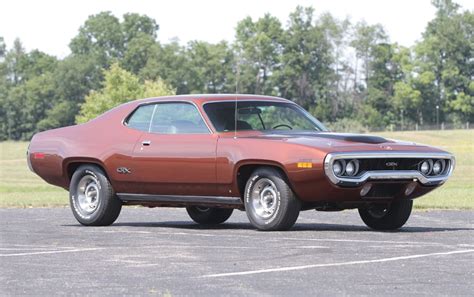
49	25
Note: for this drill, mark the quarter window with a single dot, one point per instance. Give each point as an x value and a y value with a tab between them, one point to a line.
168	118
141	118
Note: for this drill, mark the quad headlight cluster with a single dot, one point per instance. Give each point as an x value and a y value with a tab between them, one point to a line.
430	167
346	167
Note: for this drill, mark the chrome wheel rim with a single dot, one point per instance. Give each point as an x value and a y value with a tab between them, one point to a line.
264	198
88	194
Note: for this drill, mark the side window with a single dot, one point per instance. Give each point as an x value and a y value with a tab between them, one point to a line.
141	118
177	118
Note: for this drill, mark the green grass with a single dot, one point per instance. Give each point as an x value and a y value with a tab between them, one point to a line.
458	192
21	188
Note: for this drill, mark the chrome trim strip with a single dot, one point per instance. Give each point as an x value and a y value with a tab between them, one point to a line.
180	199
388	174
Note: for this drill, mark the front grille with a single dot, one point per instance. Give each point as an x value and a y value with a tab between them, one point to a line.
356	168
389	164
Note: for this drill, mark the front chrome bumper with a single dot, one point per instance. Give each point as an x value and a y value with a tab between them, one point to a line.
387	174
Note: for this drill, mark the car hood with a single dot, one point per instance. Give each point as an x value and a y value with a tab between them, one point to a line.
342	142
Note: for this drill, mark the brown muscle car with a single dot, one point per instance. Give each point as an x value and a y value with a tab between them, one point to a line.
215	153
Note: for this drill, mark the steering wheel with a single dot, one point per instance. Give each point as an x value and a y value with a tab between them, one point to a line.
283	125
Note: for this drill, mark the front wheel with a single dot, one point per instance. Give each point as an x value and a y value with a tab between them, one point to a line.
270	203
92	198
390	217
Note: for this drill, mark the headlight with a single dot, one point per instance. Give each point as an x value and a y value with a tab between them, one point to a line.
352	167
438	167
426	166
338	167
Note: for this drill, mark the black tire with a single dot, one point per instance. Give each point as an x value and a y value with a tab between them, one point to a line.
209	215
102	210
387	218
270	203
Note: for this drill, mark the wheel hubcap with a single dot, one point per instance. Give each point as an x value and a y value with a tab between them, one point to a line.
264	198
88	194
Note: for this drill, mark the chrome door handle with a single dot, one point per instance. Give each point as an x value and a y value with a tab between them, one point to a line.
146	142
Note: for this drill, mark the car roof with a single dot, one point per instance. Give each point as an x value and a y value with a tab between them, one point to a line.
203	98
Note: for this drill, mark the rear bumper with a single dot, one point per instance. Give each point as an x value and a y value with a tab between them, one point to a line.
28	159
392	175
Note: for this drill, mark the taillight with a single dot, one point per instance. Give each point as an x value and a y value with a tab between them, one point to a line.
38	155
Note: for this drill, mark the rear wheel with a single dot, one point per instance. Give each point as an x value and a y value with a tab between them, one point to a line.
270	203
92	198
209	215
390	217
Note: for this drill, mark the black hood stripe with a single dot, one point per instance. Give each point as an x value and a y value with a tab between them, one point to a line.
337	136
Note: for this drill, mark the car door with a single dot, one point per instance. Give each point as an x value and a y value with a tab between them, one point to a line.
177	155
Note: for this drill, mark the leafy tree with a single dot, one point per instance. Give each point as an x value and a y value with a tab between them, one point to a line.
210	66
100	35
384	73
25	105
259	45
170	63
26	91
140	49
3	48
134	25
108	39
446	51
337	101
366	38
16	62
119	86
306	60
309	60
58	116
140	44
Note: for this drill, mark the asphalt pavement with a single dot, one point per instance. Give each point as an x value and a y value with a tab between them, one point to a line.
162	252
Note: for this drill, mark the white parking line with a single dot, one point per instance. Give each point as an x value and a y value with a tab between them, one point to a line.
50	252
362	241
25	249
292	268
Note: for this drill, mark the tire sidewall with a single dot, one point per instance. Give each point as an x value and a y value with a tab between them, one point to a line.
211	216
270	222
396	216
101	180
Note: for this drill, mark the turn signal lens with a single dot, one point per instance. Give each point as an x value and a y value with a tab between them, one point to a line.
409	189
365	189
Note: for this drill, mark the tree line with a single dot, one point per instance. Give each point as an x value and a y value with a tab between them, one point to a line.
346	74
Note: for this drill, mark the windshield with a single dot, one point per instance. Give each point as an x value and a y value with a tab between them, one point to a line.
260	115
